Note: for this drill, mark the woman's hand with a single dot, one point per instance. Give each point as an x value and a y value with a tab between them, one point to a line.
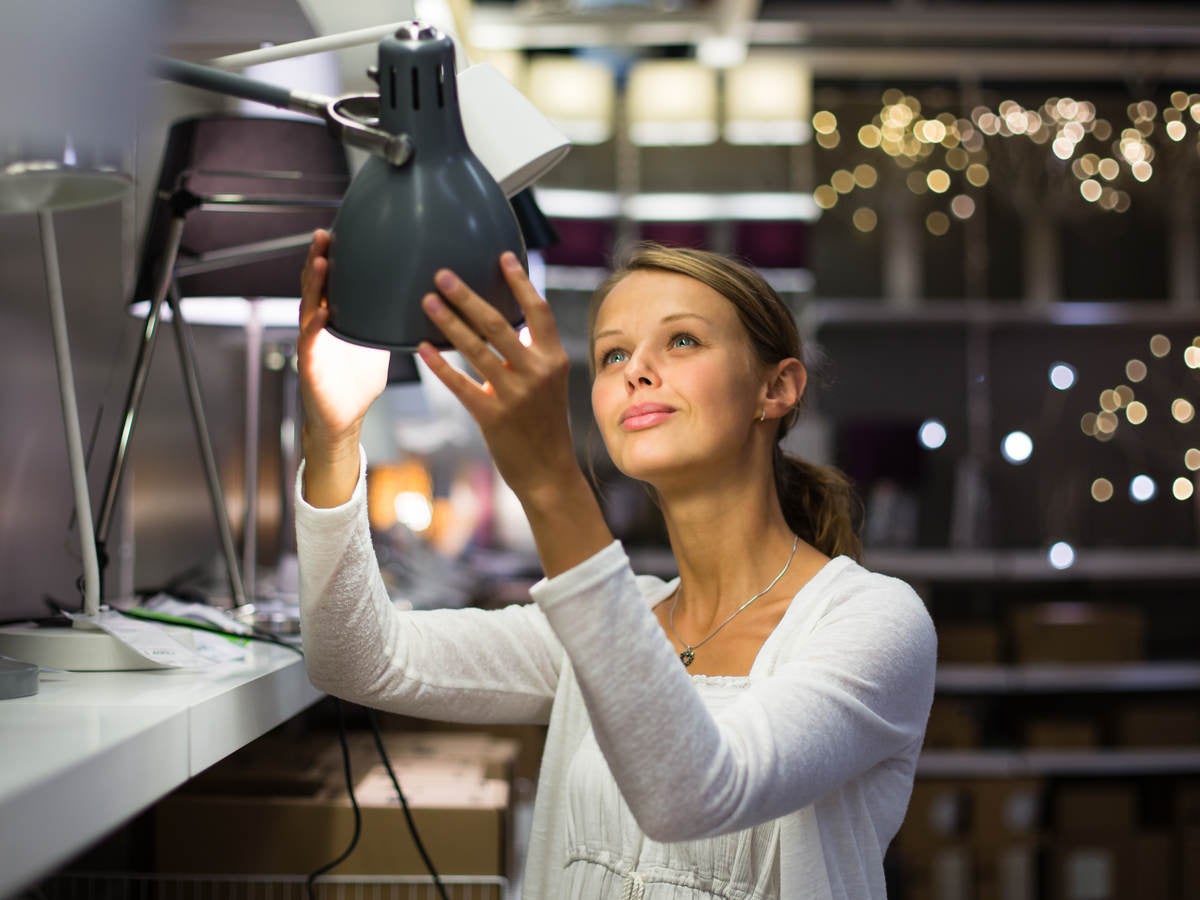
522	405
522	410
338	383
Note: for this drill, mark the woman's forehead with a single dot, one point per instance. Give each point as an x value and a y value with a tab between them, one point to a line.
654	294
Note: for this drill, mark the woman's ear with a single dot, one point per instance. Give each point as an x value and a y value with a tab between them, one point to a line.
785	388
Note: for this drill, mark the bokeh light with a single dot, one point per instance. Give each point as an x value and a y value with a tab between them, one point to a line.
932	434
1182	488
1016	447
1062	375
1061	555
1142	488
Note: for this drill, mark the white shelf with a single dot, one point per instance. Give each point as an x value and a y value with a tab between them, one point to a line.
1113	564
1046	678
1025	763
92	749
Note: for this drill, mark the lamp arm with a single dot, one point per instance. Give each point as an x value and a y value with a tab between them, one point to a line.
337	112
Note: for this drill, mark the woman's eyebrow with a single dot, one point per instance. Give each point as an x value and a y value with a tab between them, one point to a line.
671	318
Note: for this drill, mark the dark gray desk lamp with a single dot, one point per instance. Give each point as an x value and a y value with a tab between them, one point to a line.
422	201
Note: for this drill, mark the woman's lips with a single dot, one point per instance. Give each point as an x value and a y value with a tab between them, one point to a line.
644	416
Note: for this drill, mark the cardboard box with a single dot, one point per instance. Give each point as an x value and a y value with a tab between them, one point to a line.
937	815
942	873
1110	807
1006	812
531	739
1061	734
1114	867
1158	724
968	642
498	756
952	725
1093	868
1008	872
1077	633
229	824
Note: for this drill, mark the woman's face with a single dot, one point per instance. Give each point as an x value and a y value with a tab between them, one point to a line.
677	388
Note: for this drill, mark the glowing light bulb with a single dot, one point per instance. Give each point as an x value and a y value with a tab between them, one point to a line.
1102	490
1142	488
414	510
1061	555
1062	375
1183	488
1017	447
931	434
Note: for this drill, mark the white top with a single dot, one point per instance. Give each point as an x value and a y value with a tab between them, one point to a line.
824	738
609	856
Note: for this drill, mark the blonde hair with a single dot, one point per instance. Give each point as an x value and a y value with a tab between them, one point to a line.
819	502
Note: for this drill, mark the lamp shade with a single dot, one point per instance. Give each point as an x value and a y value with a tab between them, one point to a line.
672	101
399	224
250	190
578	95
768	100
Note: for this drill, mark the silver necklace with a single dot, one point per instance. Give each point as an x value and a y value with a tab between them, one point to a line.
689	652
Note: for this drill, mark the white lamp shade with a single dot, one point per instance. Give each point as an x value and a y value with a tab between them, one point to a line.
511	64
578	95
672	102
515	142
768	100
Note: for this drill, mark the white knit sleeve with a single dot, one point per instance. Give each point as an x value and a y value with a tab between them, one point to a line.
458	665
856	693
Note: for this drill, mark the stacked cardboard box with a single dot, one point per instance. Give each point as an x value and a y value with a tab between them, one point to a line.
972	839
1064	632
1099	850
281	807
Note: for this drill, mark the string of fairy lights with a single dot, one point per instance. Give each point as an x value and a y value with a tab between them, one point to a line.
1123	400
951	156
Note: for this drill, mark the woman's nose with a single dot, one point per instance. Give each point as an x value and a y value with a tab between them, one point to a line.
640	371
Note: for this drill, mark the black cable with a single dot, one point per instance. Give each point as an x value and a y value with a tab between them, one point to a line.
412	826
314	875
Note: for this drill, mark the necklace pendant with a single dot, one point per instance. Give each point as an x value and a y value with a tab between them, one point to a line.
686	657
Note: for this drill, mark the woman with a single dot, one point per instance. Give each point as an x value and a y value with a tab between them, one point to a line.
749	729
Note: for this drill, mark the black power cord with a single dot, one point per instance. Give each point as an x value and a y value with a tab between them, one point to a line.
412	826
310	882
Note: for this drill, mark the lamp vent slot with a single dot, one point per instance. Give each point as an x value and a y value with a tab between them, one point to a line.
416	88
392	85
441	86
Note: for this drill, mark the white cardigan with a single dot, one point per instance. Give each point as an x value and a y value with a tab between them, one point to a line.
826	737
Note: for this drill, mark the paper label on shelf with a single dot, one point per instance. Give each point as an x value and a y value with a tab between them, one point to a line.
147	639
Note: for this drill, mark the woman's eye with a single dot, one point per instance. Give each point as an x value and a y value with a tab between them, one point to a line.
612	356
683	340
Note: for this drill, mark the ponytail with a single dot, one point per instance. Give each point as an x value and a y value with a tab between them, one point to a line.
819	504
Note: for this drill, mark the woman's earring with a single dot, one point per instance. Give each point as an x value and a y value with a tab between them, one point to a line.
762	417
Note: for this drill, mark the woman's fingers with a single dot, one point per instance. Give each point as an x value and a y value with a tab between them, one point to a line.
312	278
461	385
472	325
538	316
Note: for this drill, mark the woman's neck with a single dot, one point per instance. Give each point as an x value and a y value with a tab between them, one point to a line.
729	541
